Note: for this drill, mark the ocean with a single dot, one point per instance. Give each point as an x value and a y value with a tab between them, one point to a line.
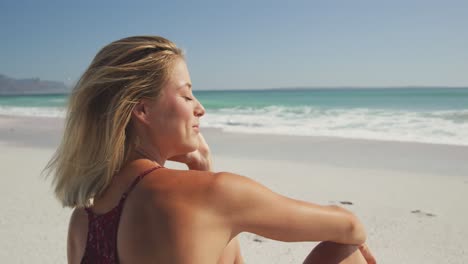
428	115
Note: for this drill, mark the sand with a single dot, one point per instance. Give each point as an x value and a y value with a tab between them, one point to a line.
411	196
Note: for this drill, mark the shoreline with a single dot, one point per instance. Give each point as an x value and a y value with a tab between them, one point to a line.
55	125
415	157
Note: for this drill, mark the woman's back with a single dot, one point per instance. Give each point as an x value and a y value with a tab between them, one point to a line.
165	219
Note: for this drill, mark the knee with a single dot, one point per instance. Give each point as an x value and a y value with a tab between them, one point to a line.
330	252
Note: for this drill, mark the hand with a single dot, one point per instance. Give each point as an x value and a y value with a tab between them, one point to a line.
199	159
367	254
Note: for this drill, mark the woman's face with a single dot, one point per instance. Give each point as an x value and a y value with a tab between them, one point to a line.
175	116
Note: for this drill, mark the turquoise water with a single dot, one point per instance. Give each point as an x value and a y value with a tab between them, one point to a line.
394	98
55	100
431	115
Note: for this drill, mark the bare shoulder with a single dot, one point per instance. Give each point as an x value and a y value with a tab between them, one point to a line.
233	189
174	180
213	187
168	186
219	192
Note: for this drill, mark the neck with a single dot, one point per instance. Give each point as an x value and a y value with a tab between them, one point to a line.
154	155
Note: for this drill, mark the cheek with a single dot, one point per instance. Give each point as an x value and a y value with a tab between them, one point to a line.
174	117
180	110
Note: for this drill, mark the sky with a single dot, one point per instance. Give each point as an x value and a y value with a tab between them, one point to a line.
250	44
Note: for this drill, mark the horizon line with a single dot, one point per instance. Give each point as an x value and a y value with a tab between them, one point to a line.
340	87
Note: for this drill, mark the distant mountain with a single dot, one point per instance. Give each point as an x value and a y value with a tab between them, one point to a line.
10	86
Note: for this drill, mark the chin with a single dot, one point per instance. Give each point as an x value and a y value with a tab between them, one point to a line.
189	147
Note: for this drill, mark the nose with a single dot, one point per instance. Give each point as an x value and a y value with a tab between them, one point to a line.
199	109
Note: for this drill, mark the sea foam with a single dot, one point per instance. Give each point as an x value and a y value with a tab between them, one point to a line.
440	127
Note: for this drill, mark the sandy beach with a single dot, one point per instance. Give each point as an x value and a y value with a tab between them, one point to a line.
411	196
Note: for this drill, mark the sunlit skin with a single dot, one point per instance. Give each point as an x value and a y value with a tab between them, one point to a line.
194	216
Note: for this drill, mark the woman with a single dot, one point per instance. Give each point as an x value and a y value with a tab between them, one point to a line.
131	111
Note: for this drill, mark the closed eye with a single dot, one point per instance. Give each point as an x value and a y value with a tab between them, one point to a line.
187	98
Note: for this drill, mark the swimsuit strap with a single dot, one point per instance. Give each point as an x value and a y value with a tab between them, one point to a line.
138	178
91	214
101	243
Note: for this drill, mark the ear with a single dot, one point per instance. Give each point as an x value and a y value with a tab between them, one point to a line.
141	112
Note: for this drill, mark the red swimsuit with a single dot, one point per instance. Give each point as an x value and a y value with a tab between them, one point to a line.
101	245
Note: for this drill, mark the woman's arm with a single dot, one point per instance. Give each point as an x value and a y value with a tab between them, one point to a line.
77	235
248	206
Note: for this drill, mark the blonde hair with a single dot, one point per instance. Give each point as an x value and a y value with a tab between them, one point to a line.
96	140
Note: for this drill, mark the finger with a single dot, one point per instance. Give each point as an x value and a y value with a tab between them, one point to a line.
365	251
203	146
178	158
202	139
